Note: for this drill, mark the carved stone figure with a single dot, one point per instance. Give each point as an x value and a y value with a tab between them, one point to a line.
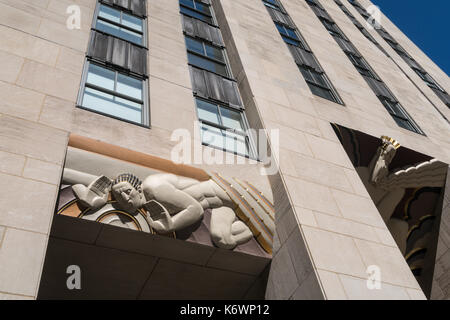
387	187
429	173
171	203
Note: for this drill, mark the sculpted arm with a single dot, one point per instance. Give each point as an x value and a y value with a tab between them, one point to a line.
171	199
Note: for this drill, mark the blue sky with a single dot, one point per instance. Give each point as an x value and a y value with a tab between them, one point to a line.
426	23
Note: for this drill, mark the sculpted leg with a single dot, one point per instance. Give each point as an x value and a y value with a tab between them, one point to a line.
241	233
226	232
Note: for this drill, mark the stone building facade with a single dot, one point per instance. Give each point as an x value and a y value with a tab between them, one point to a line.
328	228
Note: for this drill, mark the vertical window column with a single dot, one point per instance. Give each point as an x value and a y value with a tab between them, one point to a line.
414	65
306	61
360	26
385	96
115	75
219	105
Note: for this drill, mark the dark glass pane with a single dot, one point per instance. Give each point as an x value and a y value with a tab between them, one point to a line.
330	26
274	2
194	45
292	41
270	6
195	14
203	8
207	64
364	72
214	53
281	29
189	3
404	124
291	33
319	79
394	108
307	74
358	61
321	92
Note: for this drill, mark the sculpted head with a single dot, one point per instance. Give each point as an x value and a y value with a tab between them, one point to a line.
127	190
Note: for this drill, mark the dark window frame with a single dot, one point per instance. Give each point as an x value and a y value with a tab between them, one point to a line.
400	51
253	154
332	28
403	116
360	63
271	4
334	96
222	49
211	16
430	82
301	42
324	77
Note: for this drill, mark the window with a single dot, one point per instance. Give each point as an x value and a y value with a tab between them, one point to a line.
359	26
289	35
377	86
120	24
272	4
112	93
307	63
405	56
399	115
332	28
220	110
317	82
443	95
115	71
223	127
206	56
197	10
361	65
427	79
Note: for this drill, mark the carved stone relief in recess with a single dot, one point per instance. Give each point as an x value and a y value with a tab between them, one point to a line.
406	187
387	187
164	203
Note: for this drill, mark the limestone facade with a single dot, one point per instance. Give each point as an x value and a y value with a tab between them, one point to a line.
328	229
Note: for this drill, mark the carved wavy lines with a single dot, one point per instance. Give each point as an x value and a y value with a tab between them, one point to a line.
426	174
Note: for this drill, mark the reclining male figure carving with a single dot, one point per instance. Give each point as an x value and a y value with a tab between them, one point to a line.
171	203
